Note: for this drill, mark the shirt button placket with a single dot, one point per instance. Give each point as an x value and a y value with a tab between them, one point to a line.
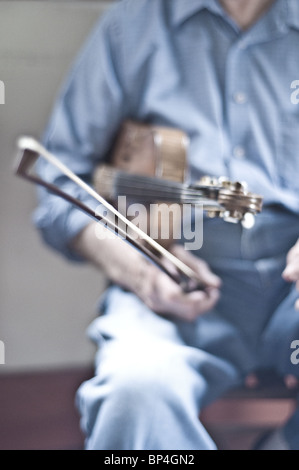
237	99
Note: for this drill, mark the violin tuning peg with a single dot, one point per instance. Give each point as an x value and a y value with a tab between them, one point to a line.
224	181
241	186
248	220
208	181
213	214
232	217
245	186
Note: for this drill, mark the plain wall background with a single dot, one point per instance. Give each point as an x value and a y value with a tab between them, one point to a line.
46	303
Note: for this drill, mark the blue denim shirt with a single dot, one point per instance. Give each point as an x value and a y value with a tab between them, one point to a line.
184	64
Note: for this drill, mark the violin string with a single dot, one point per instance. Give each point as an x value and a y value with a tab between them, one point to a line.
141	181
160	197
152	189
153	186
149	189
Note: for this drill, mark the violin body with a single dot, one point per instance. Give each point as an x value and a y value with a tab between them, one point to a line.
159	152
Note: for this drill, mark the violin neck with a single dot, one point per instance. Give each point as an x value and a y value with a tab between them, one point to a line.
111	183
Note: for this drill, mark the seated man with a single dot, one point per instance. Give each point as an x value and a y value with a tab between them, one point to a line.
223	71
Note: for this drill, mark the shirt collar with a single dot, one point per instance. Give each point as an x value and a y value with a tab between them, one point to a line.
182	10
293	13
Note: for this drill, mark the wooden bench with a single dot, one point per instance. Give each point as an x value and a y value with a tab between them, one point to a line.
38	412
242	416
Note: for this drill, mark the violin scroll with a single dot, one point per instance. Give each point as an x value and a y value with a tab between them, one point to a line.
237	204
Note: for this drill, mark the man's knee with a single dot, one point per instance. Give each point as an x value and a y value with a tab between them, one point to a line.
140	377
136	379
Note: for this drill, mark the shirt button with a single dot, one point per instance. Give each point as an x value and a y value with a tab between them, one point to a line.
240	97
239	152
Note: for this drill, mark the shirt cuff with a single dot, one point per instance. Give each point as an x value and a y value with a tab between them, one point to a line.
58	231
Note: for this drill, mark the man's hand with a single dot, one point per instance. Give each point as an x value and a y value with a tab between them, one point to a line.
291	272
164	296
127	267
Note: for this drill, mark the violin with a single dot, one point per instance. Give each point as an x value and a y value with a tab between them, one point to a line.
148	164
219	198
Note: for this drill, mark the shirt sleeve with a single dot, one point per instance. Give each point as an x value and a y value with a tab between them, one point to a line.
85	119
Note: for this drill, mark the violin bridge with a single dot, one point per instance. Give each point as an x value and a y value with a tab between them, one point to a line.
104	180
